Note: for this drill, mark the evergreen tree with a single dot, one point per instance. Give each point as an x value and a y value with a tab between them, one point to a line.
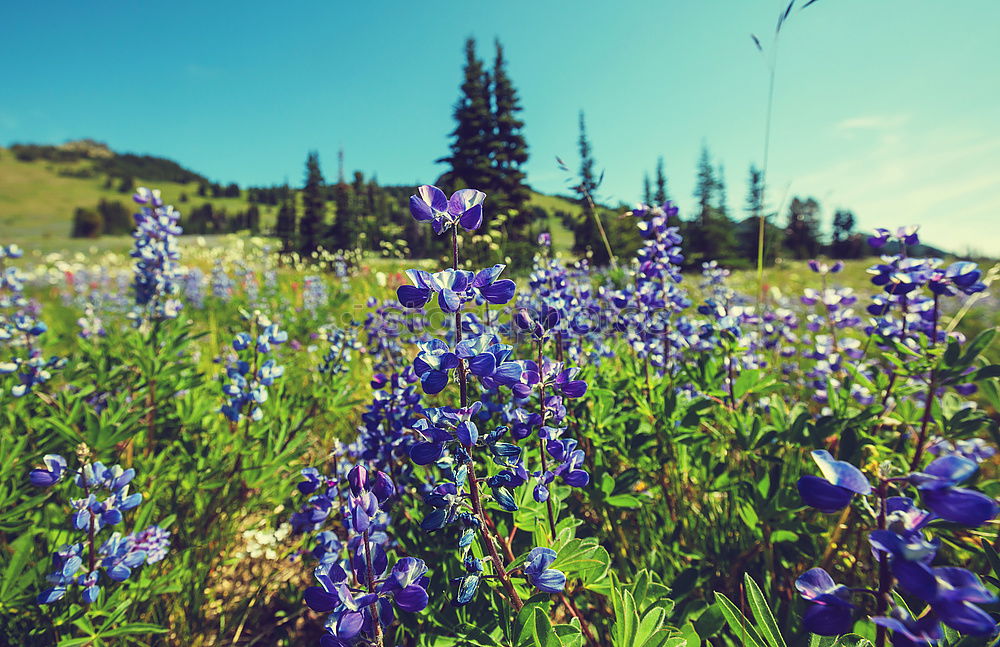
115	216
510	151
712	235
661	194
588	181
284	226
722	206
87	223
469	161
802	231
705	185
313	207
647	191
587	232
340	233
844	243
253	219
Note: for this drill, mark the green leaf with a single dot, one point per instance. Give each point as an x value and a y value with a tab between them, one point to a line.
822	641
992	557
651	624
542	630
765	619
738	623
14	581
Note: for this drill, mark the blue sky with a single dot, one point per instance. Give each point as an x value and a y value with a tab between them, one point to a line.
887	107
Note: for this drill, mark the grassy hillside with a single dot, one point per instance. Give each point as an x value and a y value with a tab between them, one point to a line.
37	198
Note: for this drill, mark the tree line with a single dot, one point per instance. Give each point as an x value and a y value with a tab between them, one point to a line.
713	231
114	218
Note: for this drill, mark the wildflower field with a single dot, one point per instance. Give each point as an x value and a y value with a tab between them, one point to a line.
206	442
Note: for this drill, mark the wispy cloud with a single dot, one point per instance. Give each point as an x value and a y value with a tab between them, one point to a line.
871	122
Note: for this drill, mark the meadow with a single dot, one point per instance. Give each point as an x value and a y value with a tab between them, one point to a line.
207	442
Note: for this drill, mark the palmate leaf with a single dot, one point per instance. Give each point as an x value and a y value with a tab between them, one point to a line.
637	624
582	559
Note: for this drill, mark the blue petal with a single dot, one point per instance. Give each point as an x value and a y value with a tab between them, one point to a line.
434	381
550	581
449	301
466	590
952	468
965	617
472	219
500	292
413	598
824	496
841	473
827	620
412	297
434	521
967	507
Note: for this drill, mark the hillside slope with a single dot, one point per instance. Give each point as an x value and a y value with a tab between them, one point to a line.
37	198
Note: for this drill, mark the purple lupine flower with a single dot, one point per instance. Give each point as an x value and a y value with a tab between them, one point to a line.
55	467
835	491
539	574
831	610
974	449
433	363
154	541
487	288
937	484
464	208
909	631
157	272
954	599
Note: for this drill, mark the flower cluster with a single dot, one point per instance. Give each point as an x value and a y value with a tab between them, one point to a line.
250	374
315	294
649	304
20	328
341	345
157	273
79	565
359	591
450	438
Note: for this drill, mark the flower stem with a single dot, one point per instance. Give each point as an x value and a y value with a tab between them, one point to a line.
371	589
541	448
477	502
884	576
925	420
